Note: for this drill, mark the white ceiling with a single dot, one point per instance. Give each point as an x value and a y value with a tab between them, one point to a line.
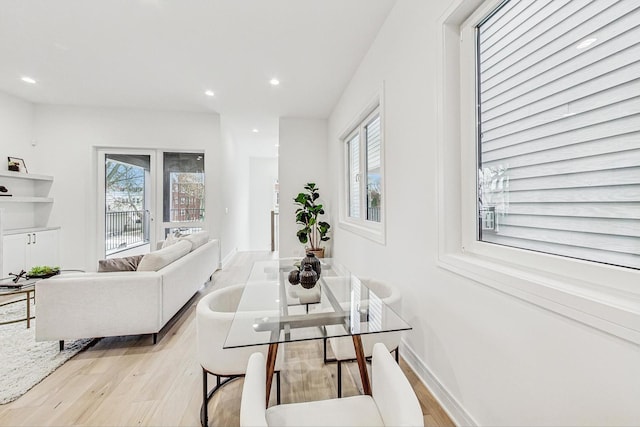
163	54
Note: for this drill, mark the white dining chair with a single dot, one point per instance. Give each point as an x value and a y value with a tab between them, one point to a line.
342	347
214	314
392	403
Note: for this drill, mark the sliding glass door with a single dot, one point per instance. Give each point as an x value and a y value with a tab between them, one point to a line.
134	185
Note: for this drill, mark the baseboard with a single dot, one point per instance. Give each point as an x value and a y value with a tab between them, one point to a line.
449	403
227	259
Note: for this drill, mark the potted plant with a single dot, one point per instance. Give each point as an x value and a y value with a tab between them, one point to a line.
313	231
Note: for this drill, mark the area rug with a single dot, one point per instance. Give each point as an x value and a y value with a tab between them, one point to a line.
23	361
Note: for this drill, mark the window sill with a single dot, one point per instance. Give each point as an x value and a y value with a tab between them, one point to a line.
616	313
375	234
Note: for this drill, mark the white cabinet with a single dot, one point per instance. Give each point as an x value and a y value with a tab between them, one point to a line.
22	251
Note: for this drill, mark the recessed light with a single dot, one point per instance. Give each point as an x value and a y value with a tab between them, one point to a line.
254	130
29	80
277	145
586	43
274	82
209	93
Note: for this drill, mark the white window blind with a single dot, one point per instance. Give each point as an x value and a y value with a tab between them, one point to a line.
559	128
374	189
353	149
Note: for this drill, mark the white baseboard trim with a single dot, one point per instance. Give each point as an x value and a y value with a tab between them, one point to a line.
450	404
227	259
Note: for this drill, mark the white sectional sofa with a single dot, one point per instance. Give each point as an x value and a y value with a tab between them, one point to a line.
102	304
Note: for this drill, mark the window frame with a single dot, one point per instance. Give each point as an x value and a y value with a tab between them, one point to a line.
372	230
602	296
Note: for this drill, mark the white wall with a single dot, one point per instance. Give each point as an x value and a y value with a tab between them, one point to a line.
303	159
230	193
263	173
16	130
492	359
66	139
16	134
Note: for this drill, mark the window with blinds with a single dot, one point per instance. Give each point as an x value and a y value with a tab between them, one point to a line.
558	87
363	184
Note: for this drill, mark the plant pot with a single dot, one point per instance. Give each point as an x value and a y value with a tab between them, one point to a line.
319	253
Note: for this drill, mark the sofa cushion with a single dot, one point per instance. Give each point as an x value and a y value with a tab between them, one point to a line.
197	239
129	263
154	261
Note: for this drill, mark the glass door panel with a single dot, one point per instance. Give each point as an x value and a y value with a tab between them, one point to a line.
126	202
183	192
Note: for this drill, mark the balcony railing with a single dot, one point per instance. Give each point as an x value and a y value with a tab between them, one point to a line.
125	229
373	214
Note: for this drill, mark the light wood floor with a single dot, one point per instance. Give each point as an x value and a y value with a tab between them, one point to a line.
128	381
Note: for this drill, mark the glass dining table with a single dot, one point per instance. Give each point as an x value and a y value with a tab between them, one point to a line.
273	311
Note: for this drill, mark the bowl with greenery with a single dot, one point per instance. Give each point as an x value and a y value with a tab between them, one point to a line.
42	272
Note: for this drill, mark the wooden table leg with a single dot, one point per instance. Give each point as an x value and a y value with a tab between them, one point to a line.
362	364
271	365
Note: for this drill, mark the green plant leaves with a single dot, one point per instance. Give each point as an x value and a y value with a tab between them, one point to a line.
313	231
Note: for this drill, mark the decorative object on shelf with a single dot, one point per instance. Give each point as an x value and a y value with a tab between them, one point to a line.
313	231
42	272
4	191
314	261
17	165
308	277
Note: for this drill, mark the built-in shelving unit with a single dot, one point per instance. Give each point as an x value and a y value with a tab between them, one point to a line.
19	199
26	237
29	204
25	176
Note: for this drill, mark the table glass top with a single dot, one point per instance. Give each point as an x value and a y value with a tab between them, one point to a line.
272	310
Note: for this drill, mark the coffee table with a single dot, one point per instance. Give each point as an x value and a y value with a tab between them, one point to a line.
24	287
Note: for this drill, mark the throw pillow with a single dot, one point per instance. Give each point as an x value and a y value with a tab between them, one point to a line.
157	260
197	239
129	263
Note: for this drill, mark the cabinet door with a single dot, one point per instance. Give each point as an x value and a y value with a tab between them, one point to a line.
14	253
43	249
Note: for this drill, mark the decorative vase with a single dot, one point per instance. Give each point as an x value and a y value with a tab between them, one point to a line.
294	276
314	261
308	277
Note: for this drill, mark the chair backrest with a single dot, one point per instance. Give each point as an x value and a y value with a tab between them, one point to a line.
385	291
214	314
253	402
394	396
343	347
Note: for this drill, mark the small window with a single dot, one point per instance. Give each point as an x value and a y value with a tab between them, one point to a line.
363	185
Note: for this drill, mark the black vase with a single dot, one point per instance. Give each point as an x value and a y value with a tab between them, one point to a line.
294	276
308	277
314	261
